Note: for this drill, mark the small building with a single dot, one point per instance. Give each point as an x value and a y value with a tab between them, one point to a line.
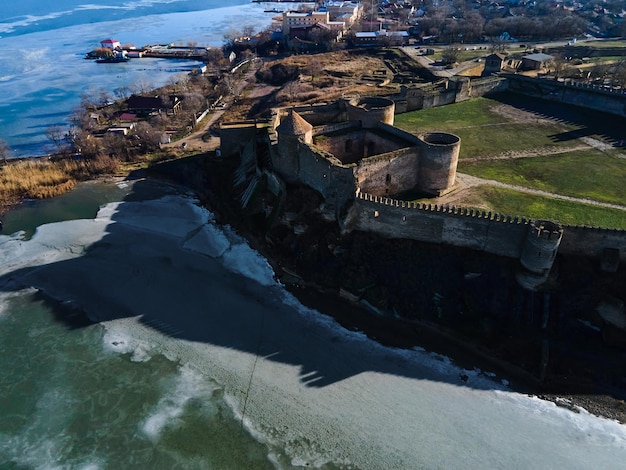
112	44
494	63
147	105
381	38
536	61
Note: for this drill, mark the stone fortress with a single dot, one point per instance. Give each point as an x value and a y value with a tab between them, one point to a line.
365	169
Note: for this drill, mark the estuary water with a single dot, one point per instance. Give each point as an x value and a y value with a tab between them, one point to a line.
137	332
42	46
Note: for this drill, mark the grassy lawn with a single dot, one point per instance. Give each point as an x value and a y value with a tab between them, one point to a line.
588	174
483	131
602	44
510	202
477	112
486	131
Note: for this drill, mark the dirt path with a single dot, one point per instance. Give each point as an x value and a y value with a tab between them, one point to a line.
466	181
198	140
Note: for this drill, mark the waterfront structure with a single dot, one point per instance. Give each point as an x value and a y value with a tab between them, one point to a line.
112	44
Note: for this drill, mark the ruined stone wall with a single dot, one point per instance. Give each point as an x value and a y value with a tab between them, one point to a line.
347	147
323	113
371	110
389	174
235	136
327	175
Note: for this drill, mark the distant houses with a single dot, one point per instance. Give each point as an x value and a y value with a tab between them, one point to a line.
112	44
536	61
148	105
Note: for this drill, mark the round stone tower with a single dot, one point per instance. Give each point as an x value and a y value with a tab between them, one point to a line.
439	155
371	110
542	242
538	252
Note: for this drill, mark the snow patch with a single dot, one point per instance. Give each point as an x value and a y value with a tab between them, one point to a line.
209	240
244	260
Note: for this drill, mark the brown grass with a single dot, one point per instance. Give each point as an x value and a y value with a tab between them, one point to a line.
42	178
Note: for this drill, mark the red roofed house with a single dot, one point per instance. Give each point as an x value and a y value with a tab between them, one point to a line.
111	44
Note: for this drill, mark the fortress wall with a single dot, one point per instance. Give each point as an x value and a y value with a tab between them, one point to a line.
595	99
348	147
493	233
414	101
234	137
327	175
323	113
388	174
588	241
484	86
439	98
500	235
587	96
336	127
399	133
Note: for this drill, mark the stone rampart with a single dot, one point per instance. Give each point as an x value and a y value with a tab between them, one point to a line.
587	96
327	175
592	241
322	113
388	173
494	233
469	228
371	110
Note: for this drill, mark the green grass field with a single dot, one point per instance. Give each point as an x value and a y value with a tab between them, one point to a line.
588	174
484	132
567	170
516	203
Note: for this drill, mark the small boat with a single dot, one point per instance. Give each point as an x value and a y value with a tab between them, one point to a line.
273	10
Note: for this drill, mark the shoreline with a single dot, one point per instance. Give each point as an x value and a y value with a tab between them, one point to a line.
390	332
407	334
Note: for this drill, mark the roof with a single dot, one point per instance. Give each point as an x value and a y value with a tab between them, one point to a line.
109	41
496	54
294	124
145	102
539	57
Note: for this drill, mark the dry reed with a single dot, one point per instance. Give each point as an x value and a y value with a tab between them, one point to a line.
42	178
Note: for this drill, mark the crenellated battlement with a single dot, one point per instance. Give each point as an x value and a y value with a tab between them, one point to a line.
443	209
501	234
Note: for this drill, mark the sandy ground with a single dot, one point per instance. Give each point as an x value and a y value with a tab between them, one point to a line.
165	278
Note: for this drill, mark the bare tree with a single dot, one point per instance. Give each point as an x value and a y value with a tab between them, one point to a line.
58	137
450	55
141	86
293	89
5	150
230	37
87	145
247	31
149	138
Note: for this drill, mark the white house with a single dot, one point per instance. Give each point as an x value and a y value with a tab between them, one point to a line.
111	44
